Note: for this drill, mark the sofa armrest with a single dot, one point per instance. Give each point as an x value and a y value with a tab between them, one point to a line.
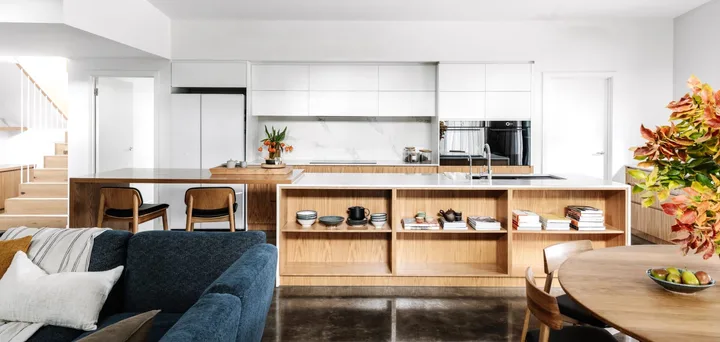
252	279
215	317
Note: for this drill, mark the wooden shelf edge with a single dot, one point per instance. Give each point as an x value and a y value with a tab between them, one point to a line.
294	227
449	270
339	269
571	232
450	231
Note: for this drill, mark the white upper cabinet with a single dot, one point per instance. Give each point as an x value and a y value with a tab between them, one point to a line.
508	105
280	103
343	77
509	77
280	77
461	105
209	74
461	77
408	77
407	103
343	103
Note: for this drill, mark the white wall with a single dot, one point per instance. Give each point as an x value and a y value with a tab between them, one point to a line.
696	49
136	23
638	51
31	11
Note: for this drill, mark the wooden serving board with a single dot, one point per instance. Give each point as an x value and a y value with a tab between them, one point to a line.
250	170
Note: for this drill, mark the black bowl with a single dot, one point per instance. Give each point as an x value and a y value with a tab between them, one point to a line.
679	288
331	220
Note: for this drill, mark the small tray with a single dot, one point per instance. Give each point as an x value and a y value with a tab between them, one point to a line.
252	170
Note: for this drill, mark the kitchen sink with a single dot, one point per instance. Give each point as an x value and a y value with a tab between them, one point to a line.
515	177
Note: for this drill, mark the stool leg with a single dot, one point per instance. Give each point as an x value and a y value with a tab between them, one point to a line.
188	222
165	220
101	211
135	219
232	212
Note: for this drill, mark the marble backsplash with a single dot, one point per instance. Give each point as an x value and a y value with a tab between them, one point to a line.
328	138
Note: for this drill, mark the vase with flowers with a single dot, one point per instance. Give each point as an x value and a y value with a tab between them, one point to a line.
274	142
685	161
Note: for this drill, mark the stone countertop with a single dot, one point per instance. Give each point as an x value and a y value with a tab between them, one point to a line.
378	163
444	180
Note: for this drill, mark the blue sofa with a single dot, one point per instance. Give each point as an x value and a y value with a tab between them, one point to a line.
210	286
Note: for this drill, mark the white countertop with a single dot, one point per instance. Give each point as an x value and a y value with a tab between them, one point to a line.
378	163
442	180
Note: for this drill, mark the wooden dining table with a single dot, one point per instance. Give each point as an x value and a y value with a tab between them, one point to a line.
612	284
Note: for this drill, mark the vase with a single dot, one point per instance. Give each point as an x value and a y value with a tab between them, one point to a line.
275	157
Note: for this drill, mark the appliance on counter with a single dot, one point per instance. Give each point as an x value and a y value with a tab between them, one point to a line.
508	140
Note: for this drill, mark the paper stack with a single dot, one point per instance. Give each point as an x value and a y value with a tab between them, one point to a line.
411	224
526	220
455	225
484	223
555	222
584	217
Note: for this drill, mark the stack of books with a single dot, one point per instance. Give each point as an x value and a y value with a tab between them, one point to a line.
526	220
584	217
455	225
484	223
411	224
555	222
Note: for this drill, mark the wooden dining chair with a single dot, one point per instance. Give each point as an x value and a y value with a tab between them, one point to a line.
126	204
554	256
545	308
216	204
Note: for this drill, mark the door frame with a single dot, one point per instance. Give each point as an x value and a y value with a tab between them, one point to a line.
609	77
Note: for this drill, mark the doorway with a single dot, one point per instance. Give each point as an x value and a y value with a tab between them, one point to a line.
125	126
576	114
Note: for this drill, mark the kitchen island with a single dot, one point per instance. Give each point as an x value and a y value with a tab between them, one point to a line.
85	190
393	256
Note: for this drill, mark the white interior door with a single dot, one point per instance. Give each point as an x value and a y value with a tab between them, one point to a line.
114	124
576	112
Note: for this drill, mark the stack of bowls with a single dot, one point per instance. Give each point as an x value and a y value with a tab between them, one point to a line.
378	219
306	218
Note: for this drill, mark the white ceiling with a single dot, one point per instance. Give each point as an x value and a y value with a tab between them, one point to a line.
422	10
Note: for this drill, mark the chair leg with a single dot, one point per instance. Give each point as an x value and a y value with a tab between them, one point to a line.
526	325
188	220
192	226
101	211
231	213
165	220
544	333
136	215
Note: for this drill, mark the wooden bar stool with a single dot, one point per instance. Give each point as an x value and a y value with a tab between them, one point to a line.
210	205
126	204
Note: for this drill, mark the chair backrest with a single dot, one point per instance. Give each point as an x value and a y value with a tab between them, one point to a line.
210	198
555	255
121	197
542	305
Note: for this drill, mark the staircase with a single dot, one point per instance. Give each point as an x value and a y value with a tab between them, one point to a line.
43	201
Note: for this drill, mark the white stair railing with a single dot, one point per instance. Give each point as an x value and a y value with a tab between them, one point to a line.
42	124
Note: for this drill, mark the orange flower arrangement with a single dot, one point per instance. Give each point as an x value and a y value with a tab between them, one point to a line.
274	143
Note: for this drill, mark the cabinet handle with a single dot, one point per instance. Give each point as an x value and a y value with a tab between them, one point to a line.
598	154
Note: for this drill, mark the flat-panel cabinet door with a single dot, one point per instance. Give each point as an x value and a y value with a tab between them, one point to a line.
344	77
279	77
183	132
509	77
209	74
408	77
461	77
343	103
508	106
411	103
222	128
461	105
285	103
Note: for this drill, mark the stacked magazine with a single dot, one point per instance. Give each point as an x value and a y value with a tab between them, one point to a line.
583	217
455	225
484	223
554	222
525	220
411	224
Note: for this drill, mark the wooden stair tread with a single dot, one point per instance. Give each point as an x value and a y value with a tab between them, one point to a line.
36	206
32	221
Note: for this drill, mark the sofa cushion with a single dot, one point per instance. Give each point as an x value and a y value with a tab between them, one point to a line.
161	324
215	317
8	249
169	271
110	251
252	279
133	329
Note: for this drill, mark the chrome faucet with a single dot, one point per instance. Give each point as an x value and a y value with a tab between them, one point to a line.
469	160
488	155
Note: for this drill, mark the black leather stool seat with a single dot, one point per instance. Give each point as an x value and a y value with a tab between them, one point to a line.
573	334
144	209
210	213
572	309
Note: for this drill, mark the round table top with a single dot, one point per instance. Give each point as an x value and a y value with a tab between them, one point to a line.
613	285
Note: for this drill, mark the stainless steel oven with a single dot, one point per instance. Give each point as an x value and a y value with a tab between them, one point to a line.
509	141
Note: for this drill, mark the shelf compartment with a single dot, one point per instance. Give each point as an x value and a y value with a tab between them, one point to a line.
443	231
607	231
492	203
450	270
337	269
294	227
438	255
333	202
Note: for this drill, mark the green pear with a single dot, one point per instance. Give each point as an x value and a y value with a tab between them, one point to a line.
674	278
673	270
689	278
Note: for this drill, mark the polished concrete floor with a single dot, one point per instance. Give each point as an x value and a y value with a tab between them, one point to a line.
403	314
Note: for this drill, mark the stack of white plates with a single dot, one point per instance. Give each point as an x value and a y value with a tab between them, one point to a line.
378	219
306	218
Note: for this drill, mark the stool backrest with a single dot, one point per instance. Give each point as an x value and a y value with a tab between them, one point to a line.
210	198
555	255
543	306
121	197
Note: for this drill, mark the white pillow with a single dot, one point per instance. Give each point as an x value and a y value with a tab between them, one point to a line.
69	299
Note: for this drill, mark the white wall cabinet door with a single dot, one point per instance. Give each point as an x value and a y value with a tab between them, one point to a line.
183	131
408	77
222	129
280	103
461	105
343	103
344	77
461	77
209	74
508	106
411	103
509	77
279	77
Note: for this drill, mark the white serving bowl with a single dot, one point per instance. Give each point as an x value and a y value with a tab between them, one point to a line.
306	223
378	224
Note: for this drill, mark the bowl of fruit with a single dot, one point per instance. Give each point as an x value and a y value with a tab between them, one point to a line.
680	280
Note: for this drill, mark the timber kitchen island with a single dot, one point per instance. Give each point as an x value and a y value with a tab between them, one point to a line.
394	256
